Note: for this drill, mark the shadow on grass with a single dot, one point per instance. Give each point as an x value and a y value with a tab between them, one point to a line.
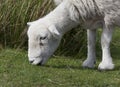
116	68
63	67
73	67
69	67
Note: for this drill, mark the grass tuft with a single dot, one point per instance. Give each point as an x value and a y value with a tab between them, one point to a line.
14	16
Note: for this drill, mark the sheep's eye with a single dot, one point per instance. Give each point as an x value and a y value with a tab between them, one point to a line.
43	38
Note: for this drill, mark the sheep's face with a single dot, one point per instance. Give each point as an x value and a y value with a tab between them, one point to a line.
42	42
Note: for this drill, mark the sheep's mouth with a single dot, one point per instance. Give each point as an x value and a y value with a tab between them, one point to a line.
39	64
37	61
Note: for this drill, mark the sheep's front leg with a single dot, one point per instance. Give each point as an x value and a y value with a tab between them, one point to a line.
91	56
106	37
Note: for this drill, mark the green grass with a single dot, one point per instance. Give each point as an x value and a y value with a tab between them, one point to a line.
15	71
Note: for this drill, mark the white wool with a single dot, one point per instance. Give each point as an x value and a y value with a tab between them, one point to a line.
45	34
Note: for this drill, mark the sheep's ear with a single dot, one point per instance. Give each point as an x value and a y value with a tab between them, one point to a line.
29	23
54	31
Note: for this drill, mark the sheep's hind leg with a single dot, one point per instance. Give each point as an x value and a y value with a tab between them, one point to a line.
91	56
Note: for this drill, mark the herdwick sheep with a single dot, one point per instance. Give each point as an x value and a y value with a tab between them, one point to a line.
45	34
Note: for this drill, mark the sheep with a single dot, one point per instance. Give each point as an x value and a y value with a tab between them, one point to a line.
45	33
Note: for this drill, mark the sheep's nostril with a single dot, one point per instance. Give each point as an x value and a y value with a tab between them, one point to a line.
32	61
40	64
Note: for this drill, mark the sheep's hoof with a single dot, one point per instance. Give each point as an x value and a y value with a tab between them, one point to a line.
88	64
105	66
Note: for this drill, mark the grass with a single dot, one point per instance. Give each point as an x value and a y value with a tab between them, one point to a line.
14	16
15	71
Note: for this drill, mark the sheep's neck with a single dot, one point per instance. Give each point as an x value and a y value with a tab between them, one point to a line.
61	19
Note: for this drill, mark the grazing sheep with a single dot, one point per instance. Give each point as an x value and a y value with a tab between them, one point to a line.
45	34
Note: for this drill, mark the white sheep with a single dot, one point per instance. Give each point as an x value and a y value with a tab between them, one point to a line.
45	34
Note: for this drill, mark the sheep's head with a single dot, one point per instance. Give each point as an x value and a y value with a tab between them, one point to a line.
42	42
